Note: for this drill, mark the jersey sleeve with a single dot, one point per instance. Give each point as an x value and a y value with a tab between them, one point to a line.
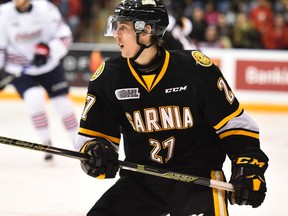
219	103
223	112
239	133
98	118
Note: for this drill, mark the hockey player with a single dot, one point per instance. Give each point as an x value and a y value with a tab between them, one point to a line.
175	111
33	40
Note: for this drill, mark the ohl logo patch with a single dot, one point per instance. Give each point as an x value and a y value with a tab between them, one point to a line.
201	59
98	72
127	94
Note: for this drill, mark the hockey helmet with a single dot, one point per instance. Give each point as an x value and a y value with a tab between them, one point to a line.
141	13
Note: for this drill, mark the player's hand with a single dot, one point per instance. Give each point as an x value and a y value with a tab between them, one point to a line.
41	55
103	162
248	178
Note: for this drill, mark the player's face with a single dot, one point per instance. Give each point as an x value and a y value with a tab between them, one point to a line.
126	39
21	4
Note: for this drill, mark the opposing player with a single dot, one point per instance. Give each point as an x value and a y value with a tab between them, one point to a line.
175	111
33	40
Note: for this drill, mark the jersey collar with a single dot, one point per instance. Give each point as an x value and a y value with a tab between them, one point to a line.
159	76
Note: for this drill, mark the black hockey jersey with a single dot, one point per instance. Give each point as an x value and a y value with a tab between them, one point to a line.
173	119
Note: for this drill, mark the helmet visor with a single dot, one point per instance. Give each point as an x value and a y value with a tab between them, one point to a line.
112	24
110	27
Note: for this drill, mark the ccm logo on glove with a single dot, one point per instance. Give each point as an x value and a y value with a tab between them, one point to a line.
248	160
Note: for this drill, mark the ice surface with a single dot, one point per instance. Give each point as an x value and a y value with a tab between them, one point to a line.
30	187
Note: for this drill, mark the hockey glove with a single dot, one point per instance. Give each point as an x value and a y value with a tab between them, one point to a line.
103	162
248	178
41	54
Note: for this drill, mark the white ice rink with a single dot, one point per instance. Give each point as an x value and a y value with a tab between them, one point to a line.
28	187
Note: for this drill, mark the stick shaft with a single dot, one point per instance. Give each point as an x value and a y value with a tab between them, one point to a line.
43	148
176	176
123	164
10	77
6	80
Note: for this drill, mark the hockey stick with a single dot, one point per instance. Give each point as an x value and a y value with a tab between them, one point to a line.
5	81
123	164
10	77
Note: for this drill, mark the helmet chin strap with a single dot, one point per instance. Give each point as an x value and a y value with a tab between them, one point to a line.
142	47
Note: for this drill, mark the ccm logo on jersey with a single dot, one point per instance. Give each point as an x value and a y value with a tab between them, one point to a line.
127	94
175	89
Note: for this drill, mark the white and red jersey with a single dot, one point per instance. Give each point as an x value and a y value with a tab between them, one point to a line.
20	32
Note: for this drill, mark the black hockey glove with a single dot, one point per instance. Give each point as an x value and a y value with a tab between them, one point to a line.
5	78
248	170
41	55
103	162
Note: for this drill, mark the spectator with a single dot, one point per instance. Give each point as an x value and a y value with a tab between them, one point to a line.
224	30
201	13
282	7
71	12
261	16
211	14
223	5
198	24
211	38
276	36
244	34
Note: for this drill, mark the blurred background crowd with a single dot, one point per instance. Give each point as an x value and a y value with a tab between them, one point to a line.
253	24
